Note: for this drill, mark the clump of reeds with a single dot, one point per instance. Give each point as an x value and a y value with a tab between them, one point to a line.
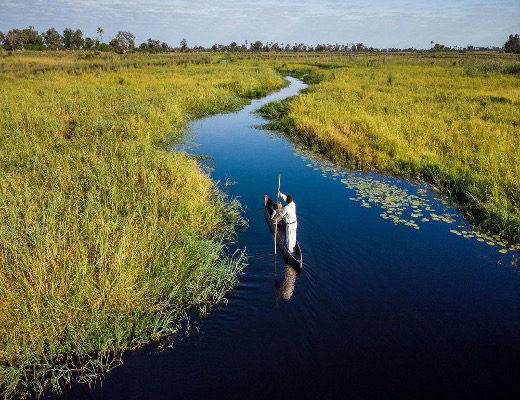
106	241
456	127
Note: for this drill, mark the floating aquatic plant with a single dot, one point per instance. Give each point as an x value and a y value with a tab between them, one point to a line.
399	205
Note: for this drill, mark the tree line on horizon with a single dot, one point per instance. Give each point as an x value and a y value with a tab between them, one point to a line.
124	42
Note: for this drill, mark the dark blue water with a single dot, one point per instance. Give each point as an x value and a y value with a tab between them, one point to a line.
383	308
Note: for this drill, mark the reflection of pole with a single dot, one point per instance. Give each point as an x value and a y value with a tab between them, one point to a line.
275	279
276	207
275	261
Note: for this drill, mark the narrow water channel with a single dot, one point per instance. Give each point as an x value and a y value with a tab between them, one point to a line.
398	297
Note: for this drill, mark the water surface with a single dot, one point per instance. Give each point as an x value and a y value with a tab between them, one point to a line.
397	296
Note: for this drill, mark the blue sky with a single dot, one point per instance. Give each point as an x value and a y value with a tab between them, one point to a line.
377	23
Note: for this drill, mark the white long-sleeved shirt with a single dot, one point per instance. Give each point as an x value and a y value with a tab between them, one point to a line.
289	211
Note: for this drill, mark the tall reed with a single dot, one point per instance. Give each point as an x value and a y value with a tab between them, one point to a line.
454	122
106	240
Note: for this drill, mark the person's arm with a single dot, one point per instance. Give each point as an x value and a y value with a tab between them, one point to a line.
282	212
284	197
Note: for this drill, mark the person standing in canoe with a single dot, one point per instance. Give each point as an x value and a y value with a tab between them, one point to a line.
288	213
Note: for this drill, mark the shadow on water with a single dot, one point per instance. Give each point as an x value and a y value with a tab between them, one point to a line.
398	296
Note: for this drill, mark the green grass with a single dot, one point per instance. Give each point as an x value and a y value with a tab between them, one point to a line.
451	121
106	240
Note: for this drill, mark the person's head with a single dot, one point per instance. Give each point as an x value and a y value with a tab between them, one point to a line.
289	199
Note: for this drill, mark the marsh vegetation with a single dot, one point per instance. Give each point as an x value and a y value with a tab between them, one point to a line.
106	240
453	121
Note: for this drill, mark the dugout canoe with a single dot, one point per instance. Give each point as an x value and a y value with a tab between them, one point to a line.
296	259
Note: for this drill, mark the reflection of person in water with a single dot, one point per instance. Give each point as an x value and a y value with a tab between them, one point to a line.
286	289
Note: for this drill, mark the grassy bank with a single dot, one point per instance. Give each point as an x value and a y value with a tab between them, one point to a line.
105	239
453	121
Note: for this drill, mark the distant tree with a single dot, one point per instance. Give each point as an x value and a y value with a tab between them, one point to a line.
274	47
256	46
77	39
431	44
123	42
360	47
184	45
89	43
67	37
14	39
53	38
143	47
100	33
114	45
103	47
219	47
31	37
439	47
471	47
11	39
2	38
513	44
154	45
165	47
22	38
233	46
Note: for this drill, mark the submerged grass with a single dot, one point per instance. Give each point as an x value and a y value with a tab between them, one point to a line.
453	122
105	240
